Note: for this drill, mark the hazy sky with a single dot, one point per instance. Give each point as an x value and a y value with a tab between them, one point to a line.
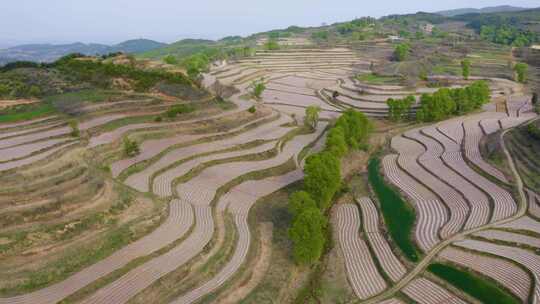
111	21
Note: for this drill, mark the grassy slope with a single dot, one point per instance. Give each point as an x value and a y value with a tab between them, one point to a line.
25	112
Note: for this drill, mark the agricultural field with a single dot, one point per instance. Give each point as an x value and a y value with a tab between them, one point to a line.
290	174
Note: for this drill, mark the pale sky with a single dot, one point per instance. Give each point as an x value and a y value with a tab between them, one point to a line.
112	21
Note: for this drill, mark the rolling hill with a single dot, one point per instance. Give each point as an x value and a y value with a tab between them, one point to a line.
51	52
491	9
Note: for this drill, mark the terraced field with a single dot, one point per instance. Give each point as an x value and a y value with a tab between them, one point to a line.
298	78
179	208
469	213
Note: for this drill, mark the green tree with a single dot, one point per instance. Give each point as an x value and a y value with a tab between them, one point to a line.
521	71
466	68
357	128
34	91
322	177
308	236
312	116
170	59
401	52
257	88
131	147
398	109
446	102
300	201
336	142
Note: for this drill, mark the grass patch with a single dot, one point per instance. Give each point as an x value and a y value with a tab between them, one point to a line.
484	290
72	262
25	112
379	79
90	95
398	215
446	70
273	208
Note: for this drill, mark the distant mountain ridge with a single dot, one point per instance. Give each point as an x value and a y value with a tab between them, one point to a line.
51	52
490	9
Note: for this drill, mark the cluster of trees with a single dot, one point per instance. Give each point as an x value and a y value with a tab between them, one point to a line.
321	183
401	52
508	35
447	102
101	74
13	89
196	64
355	26
399	109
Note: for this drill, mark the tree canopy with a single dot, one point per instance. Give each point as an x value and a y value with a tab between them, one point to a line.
300	201
322	177
356	126
308	236
399	109
401	52
447	102
336	142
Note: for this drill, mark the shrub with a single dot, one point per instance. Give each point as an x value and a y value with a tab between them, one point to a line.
312	117
320	35
131	147
257	88
252	109
401	52
158	119
74	125
521	72
466	68
179	109
170	59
